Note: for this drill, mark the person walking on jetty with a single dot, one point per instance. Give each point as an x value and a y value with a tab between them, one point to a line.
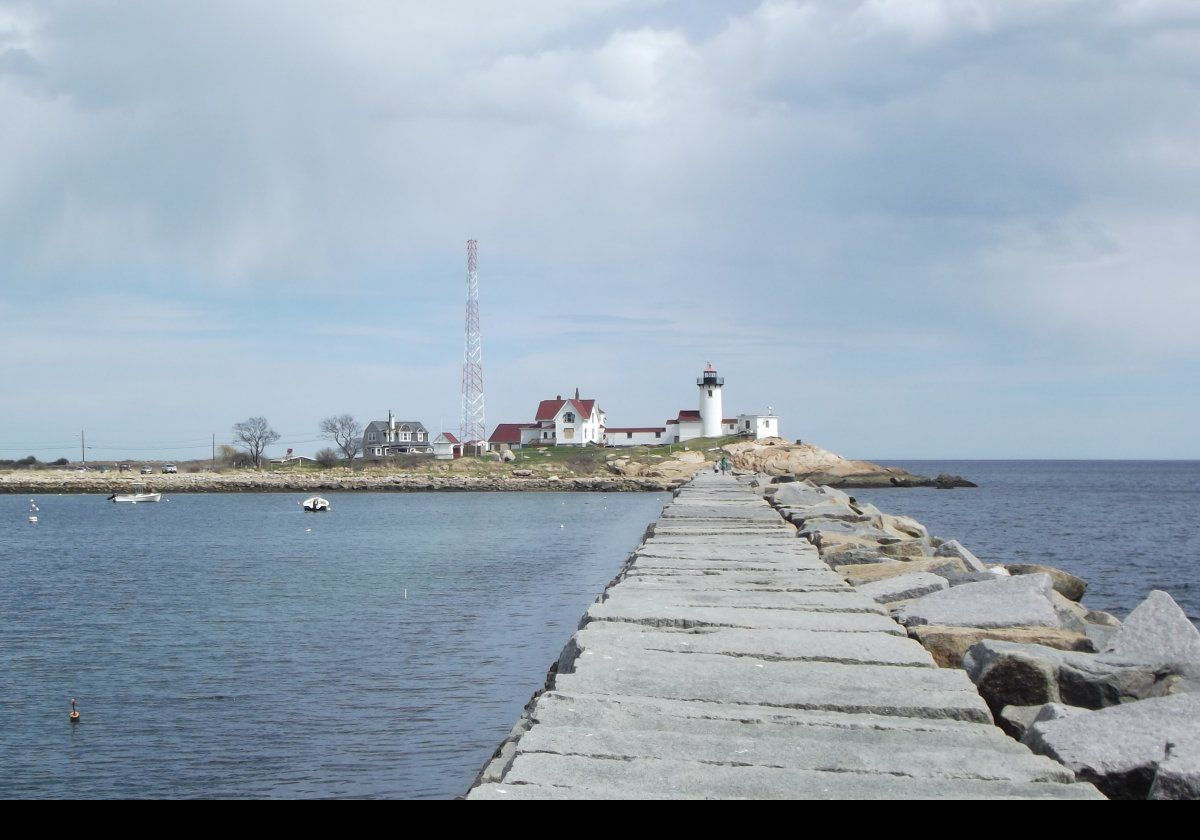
724	465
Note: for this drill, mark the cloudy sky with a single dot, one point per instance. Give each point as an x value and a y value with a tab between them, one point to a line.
922	228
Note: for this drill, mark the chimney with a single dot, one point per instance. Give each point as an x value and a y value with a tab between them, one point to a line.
558	396
391	420
577	393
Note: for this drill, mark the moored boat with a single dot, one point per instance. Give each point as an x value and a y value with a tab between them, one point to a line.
140	494
315	504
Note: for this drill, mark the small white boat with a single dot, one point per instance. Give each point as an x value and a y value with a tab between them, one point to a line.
140	494
315	504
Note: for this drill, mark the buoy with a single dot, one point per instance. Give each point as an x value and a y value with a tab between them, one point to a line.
74	714
33	520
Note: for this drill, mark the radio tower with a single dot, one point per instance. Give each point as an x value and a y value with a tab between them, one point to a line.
472	431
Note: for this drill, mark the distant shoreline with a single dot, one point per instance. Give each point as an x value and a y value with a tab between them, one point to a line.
45	483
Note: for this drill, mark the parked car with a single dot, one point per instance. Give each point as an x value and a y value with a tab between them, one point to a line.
125	467
169	468
147	470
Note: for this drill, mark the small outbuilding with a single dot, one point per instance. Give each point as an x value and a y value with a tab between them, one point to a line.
446	447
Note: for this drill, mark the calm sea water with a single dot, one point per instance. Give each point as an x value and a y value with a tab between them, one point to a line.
233	646
1124	526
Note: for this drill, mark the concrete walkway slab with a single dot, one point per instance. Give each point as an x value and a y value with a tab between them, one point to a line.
763	644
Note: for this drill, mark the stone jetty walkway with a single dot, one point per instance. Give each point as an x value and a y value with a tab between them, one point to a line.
728	661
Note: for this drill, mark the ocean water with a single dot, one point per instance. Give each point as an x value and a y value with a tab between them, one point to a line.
229	645
1126	527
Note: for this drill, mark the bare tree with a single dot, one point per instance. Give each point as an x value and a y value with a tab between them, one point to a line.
327	457
346	432
256	435
231	456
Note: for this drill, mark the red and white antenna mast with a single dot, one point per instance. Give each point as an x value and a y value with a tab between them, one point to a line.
472	430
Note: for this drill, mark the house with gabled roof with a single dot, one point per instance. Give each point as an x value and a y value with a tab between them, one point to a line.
511	436
558	422
382	438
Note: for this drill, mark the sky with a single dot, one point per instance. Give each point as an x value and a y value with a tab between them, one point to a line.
917	229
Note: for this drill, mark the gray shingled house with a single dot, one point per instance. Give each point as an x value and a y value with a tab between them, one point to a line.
395	437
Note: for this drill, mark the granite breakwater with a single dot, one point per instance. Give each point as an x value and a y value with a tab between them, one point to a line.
728	659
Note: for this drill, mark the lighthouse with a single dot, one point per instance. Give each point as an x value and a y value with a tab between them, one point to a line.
710	401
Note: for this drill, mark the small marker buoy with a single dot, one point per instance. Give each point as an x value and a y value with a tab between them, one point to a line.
74	713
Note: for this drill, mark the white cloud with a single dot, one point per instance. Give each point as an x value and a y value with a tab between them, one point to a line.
901	180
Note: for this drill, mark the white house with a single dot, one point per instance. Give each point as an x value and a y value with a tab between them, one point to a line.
557	422
573	422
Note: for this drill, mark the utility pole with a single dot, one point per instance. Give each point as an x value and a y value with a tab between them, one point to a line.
82	448
214	458
472	430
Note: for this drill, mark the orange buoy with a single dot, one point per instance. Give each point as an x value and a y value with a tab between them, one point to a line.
74	714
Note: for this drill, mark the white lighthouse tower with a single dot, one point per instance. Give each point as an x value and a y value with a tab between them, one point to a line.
710	401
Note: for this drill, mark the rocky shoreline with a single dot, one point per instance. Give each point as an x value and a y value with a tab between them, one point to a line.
783	460
1116	702
606	470
44	483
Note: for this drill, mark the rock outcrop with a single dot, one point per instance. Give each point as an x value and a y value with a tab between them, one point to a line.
778	457
1149	749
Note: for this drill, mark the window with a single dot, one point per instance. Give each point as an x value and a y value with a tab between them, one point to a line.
710	392
569	417
371	436
657	435
568	434
629	435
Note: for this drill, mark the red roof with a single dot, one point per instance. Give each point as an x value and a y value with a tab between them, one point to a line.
689	416
450	437
729	420
548	409
507	433
624	430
